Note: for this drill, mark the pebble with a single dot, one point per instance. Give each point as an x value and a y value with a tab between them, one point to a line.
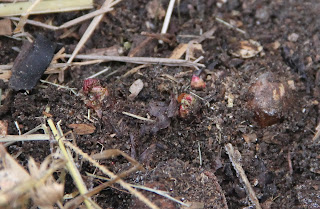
293	37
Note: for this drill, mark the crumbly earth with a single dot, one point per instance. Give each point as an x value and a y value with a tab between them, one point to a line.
281	160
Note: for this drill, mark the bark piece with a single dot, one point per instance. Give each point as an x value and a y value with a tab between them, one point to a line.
31	63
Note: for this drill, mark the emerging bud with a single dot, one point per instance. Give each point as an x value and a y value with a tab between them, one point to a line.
95	94
188	105
197	83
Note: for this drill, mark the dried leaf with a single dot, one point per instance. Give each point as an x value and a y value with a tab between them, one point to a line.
5	27
82	129
182	48
246	49
179	51
249	138
17	185
155	9
47	195
3	127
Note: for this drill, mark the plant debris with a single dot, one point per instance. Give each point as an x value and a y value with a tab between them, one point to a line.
31	63
170	133
82	129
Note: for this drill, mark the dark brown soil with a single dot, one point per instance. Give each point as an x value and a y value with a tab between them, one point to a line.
281	161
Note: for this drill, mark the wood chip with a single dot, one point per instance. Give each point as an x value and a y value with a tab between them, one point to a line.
135	88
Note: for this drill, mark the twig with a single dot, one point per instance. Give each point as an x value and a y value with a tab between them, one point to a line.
195	36
231	26
36	23
140	60
138	117
134	70
235	157
198	59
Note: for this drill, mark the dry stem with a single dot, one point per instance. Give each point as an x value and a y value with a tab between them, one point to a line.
235	157
108	4
141	60
70	164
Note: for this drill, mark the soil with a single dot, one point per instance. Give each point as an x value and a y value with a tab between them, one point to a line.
279	156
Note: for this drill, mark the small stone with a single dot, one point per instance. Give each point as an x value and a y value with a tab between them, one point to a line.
263	14
275	45
293	37
269	99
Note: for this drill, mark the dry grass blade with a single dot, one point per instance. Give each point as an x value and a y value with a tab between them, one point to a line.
138	117
108	4
230	26
36	23
85	17
168	16
70	23
25	16
31	137
159	192
44	7
70	164
134	70
73	90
